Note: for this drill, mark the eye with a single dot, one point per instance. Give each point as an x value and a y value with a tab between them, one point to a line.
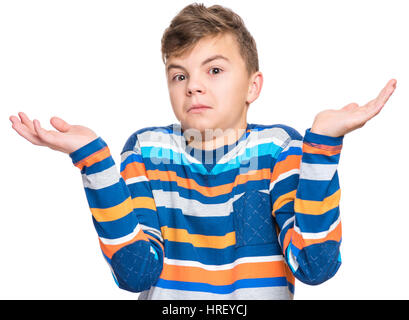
175	78
218	70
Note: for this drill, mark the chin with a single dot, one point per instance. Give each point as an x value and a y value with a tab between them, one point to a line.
200	125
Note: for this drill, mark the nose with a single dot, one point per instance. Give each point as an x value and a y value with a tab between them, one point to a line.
195	86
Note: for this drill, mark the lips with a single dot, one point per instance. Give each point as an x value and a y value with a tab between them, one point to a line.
198	107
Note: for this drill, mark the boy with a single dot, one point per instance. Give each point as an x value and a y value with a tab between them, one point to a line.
214	207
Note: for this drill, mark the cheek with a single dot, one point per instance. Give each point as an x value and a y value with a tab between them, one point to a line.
176	99
229	93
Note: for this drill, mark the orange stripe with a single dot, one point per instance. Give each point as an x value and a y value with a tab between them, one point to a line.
93	158
144	202
136	169
199	240
224	277
156	241
287	239
290	163
324	146
314	207
113	213
307	148
301	243
133	169
110	249
289	275
282	200
191	184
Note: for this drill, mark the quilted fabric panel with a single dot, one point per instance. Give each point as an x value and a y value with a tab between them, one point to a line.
318	262
135	266
253	220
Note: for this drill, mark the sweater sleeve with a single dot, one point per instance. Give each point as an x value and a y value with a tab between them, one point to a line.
123	212
305	194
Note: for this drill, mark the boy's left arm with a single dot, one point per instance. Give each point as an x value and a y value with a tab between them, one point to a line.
305	190
305	194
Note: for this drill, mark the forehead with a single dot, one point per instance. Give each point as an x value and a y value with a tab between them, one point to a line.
222	45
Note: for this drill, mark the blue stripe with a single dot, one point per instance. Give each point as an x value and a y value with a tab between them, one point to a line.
227	176
131	158
317	223
210	226
99	166
117	228
140	189
226	289
186	251
317	190
107	197
322	139
284	186
249	156
88	149
320	158
192	194
290	152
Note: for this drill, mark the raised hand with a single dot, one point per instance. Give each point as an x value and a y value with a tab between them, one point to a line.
336	123
67	139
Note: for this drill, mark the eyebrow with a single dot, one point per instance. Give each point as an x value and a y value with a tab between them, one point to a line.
215	57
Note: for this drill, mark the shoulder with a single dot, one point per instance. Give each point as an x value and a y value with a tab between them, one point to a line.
279	132
145	134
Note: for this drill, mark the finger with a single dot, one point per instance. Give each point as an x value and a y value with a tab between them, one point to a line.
25	120
60	124
23	131
44	135
373	107
385	93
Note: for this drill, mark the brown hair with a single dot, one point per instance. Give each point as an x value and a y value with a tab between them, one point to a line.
195	21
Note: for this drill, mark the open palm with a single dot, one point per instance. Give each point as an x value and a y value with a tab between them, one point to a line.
336	123
67	139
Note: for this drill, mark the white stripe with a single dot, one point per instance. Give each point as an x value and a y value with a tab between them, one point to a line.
317	235
153	231
317	171
293	143
189	263
164	148
260	293
136	179
245	145
192	207
287	222
174	142
122	239
102	179
283	176
292	260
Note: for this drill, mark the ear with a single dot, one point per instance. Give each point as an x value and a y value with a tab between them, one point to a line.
255	85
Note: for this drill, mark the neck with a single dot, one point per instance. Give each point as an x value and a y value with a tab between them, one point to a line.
213	139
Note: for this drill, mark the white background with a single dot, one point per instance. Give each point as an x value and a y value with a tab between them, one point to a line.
98	63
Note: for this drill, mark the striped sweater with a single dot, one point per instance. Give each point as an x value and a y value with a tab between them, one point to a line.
242	221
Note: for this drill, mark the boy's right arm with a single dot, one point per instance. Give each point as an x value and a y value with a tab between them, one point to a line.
122	206
120	209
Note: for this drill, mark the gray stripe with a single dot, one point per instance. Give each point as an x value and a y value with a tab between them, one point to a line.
317	171
101	179
176	142
264	293
193	207
152	230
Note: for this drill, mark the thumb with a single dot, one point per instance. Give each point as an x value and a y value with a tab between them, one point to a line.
60	124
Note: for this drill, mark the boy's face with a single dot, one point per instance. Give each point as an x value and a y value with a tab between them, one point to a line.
214	74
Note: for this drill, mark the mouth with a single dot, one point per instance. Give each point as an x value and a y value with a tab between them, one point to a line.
195	108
